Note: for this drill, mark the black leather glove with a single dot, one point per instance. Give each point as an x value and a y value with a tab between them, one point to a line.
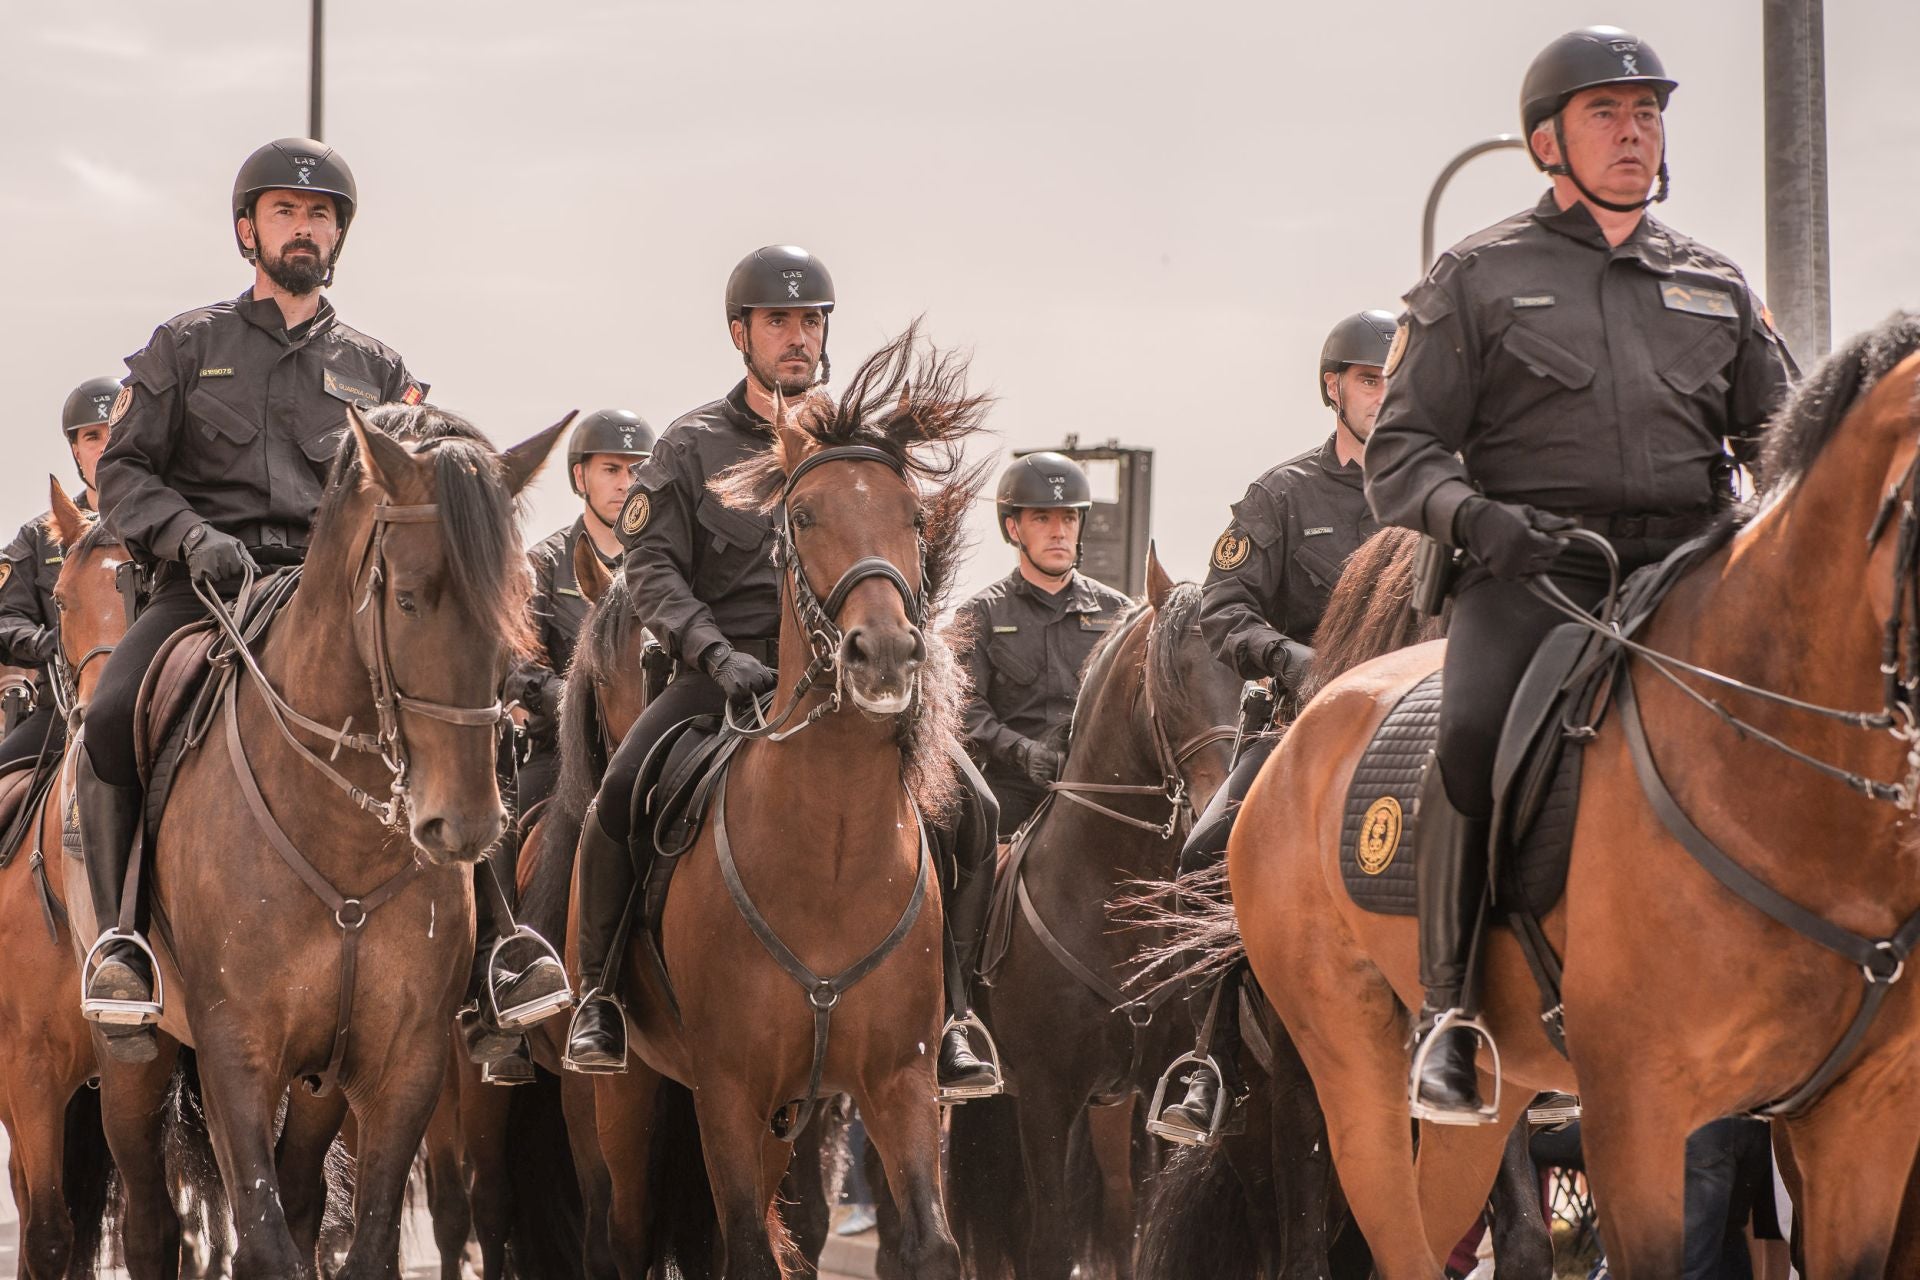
213	556
535	688
37	646
1512	540
739	675
1041	763
1288	662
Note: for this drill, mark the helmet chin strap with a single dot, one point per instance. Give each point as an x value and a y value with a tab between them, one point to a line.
1565	170
1063	575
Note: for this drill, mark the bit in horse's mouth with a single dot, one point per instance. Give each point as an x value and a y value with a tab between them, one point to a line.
891	703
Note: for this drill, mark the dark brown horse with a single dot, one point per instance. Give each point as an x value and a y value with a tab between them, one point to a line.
1153	718
1685	997
413	591
823	831
57	1155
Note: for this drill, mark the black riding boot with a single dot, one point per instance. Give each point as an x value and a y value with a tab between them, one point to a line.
121	982
519	998
1450	881
1197	1118
960	1072
597	1040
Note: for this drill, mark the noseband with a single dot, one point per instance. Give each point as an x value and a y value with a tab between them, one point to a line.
819	618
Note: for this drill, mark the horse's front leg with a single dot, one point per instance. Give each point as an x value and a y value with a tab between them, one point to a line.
392	1110
903	1122
243	1088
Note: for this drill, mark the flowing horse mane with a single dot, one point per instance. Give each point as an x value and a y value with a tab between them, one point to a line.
1179	612
910	400
1370	611
1812	416
479	517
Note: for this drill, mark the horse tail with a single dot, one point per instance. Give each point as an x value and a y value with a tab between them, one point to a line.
544	1234
87	1171
1199	1222
680	1199
1369	612
988	1195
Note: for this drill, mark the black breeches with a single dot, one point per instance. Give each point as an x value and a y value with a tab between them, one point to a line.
691	693
110	726
1016	798
41	735
535	779
1207	843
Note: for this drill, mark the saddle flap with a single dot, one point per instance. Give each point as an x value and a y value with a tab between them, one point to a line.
174	676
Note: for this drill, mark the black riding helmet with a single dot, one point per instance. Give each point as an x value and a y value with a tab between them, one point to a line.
1587	59
295	164
781	276
1041	481
88	404
1364	337
620	432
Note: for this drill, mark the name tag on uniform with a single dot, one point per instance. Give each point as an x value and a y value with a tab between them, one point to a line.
565	591
1534	300
1094	622
346	389
217	373
1701	302
1314	533
1004	631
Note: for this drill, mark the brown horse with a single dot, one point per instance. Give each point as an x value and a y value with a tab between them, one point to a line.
1684	1001
409	608
1153	717
58	1154
822	834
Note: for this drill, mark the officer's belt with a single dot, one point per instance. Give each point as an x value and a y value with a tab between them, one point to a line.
264	535
1649	524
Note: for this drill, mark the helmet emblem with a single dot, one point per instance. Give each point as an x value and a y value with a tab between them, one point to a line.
1059	492
304	175
1629	64
793	288
626	439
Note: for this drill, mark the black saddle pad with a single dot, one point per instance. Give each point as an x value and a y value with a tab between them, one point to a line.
1377	832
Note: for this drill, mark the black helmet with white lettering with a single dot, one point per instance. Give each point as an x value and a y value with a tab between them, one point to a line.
1587	59
780	275
89	404
1364	337
295	164
620	432
1044	480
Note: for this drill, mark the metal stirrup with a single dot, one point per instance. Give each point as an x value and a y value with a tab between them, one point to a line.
521	1016
120	1013
969	1022
587	1000
1173	1133
1454	1019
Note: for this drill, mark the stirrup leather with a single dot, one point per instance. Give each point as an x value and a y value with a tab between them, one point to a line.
519	1017
1222	1100
970	1023
120	1013
587	1001
1454	1019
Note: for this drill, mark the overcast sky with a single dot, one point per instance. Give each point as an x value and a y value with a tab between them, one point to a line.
1140	218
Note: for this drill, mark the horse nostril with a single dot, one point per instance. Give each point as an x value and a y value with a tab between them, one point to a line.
851	648
919	646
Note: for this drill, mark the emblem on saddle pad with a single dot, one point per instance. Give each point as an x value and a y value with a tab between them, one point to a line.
1379	836
634	518
1231	551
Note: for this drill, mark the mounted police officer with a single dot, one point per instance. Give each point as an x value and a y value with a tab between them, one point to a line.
704	583
1578	365
1030	633
30	565
1266	588
221	441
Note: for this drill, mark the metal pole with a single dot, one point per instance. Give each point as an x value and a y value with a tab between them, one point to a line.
1498	142
316	78
1798	274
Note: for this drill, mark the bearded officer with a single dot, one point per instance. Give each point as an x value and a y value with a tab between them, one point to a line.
1578	365
29	620
1028	635
1271	574
704	583
221	441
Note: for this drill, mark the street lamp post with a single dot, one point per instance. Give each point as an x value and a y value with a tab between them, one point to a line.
1499	142
316	79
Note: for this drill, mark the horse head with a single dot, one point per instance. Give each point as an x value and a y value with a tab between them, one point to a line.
93	612
423	519
1193	695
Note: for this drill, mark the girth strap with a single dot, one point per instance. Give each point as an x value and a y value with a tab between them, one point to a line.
350	914
1882	961
822	993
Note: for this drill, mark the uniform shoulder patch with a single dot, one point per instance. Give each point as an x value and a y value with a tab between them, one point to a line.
634	516
1231	551
6	571
121	403
1398	351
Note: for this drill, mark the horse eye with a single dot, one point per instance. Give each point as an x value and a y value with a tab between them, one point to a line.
405	600
803	519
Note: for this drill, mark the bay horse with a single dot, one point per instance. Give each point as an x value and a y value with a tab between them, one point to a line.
1686	996
275	856
57	1150
823	842
1151	737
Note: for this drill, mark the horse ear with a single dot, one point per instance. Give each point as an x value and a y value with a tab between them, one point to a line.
792	441
590	571
1159	582
523	461
386	461
69	523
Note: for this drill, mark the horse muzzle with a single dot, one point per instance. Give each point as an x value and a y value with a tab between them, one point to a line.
878	666
454	837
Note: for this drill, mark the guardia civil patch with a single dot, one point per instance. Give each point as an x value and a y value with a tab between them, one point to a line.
1379	836
6	571
121	403
1231	551
1398	350
634	518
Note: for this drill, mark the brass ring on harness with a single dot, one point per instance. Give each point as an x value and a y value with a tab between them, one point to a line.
1140	1015
823	997
1885	948
358	912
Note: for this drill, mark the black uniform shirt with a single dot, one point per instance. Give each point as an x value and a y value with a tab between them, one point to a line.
227	418
698	571
1579	377
32	565
558	607
1276	564
1025	648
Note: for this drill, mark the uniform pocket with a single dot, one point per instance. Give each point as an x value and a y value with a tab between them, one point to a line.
218	419
1323	569
1546	358
1009	662
1705	361
730	528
